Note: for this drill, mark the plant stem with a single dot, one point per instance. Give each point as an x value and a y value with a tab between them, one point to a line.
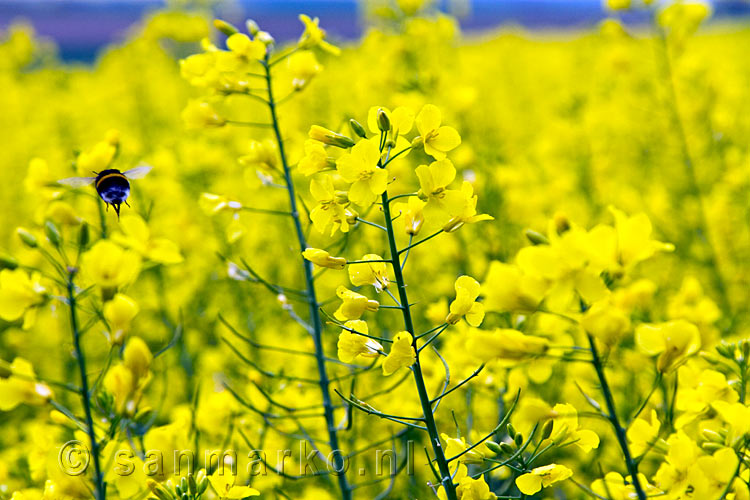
317	326
100	488
612	416
424	398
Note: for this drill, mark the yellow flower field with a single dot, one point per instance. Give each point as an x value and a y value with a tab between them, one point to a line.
423	264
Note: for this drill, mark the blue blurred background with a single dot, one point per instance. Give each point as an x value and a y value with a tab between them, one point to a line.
81	27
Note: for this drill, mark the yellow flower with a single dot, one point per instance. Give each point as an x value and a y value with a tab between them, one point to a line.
137	358
137	236
352	345
242	51
19	293
315	160
618	4
565	428
634	243
402	353
353	304
615	487
314	36
119	312
97	158
262	155
643	433
454	446
507	289
20	387
38	180
200	114
673	341
468	214
467	291
468	488
737	415
412	214
504	345
331	213
360	167
369	273
126	380
224	485
302	67
605	322
200	70
322	258
433	182
541	477
437	140
109	266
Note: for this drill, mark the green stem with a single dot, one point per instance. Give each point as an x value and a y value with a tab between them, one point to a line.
100	488
612	416
102	218
317	326
424	398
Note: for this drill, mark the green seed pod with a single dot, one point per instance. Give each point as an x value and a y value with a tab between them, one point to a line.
225	27
384	123
357	128
536	238
547	429
52	233
27	238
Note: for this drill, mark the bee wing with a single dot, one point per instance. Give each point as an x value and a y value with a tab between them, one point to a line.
137	172
77	181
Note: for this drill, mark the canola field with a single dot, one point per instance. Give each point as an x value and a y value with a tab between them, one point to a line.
423	264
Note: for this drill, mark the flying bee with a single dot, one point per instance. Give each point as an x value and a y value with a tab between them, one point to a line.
111	184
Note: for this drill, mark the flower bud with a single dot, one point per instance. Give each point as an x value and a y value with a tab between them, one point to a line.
83	237
725	349
712	436
5	370
183	484
511	431
52	233
8	262
27	238
192	485
562	224
225	27
266	38
506	448
252	27
453	225
357	128
547	429
493	447
322	258
535	237
384	123
330	137
711	447
417	142
518	439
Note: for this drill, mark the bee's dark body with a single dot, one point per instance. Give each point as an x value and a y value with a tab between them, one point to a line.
113	187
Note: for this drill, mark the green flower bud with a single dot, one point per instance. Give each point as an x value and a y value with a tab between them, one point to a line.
547	429
225	27
511	431
192	486
536	238
712	447
518	439
5	370
27	238
84	236
53	234
712	436
8	262
725	349
183	484
384	123
357	128
506	448
252	27
493	446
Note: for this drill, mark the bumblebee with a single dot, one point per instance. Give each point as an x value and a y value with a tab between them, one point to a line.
111	185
